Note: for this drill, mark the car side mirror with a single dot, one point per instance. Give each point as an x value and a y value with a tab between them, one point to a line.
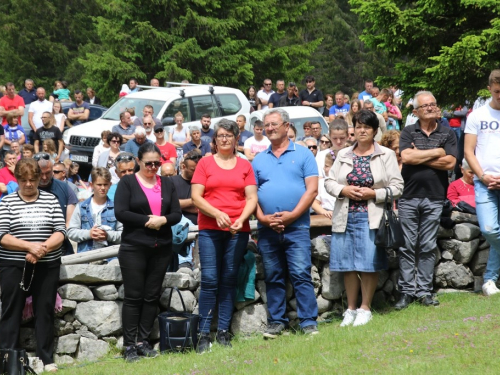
167	121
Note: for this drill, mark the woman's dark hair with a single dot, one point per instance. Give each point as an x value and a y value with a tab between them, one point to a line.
25	167
366	117
146	148
114	135
294	129
254	90
228	125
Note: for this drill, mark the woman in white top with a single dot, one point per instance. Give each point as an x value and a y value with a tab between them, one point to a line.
59	116
178	136
101	147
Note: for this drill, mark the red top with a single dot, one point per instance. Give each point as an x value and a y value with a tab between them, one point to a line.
461	191
6	176
10	104
167	151
224	189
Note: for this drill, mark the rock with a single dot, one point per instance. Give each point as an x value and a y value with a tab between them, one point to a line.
121	292
113	262
444	233
197	293
293	304
261	288
91	350
119	343
197	274
27	338
110	340
86	333
186	270
106	292
438	256
77	325
462	251
176	304
292	315
460	217
466	231
179	280
382	278
240	305
478	263
393	259
323	305
388	287
478	284
67	344
62	327
90	274
379	299
333	284
446	255
63	359
259	268
288	289
36	364
103	318
484	245
67	306
316	279
452	275
69	317
76	292
249	320
320	248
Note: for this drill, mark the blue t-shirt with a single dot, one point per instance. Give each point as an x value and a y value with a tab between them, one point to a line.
276	97
190	146
336	110
207	137
133	147
363	95
244	135
281	182
78	109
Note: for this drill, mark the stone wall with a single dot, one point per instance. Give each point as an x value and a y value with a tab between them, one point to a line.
92	294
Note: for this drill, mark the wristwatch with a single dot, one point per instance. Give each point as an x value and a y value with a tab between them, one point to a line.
310	105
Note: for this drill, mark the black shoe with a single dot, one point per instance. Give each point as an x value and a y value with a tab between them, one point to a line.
223	337
131	355
145	350
273	330
404	302
428	301
204	343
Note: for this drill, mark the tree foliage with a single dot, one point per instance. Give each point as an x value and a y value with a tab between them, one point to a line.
448	46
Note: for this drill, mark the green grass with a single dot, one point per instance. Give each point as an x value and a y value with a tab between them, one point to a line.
459	337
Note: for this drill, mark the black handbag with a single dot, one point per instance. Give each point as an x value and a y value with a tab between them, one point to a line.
389	234
15	362
178	330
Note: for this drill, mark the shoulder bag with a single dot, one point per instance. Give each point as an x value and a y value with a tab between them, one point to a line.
15	362
389	234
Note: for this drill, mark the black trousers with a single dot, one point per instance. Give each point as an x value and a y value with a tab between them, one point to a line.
44	291
143	270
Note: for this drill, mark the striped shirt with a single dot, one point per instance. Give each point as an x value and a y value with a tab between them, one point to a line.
30	221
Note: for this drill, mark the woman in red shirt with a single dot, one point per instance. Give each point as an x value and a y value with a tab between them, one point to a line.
225	192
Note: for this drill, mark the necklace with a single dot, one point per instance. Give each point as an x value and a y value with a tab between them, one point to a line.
468	186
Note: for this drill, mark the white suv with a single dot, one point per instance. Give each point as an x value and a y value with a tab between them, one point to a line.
192	101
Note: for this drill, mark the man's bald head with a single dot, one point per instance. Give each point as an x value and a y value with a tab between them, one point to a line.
168	170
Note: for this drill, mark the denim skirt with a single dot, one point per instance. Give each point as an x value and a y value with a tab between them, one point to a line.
355	250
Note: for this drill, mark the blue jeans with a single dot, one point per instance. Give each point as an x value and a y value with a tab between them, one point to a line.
488	215
221	254
457	132
290	250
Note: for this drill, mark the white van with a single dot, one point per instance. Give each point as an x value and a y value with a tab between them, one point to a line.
189	99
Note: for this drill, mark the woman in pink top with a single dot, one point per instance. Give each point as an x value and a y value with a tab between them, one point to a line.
225	193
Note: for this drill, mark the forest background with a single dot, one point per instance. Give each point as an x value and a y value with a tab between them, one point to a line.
446	46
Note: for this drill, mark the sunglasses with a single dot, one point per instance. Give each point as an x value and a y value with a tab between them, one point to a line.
352	134
148	123
152	164
121	158
159	131
267	84
312	147
57	172
41	155
193	158
325	142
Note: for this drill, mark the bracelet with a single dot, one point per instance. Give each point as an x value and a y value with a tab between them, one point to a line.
482	177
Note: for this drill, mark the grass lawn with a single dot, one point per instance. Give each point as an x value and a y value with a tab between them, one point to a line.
458	337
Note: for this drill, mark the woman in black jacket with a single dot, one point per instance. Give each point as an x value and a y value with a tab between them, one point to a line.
148	206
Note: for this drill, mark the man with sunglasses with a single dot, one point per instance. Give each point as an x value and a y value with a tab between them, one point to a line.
265	94
167	149
148	125
312	145
148	110
125	163
60	173
311	96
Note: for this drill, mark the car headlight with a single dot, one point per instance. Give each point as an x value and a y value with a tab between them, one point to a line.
66	137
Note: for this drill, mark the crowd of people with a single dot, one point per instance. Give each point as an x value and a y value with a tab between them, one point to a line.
144	182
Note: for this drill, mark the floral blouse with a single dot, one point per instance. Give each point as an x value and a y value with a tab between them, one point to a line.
361	176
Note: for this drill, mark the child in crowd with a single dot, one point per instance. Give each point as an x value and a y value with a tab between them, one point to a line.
28	151
73	175
49	147
324	202
61	92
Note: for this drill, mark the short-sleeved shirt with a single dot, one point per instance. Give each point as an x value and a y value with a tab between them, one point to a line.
244	135
312	97
79	109
167	151
420	180
256	146
53	133
484	122
336	110
380	107
276	97
28	96
183	189
10	104
133	147
207	136
261	94
37	108
224	189
281	182
190	146
364	96
128	131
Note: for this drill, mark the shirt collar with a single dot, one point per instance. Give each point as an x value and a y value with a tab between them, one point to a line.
291	147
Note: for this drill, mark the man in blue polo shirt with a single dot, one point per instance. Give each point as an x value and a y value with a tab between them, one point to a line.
196	142
29	92
287	181
340	108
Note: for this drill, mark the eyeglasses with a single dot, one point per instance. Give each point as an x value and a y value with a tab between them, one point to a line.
152	164
267	84
273	125
114	141
121	158
57	172
325	142
159	131
227	136
147	123
41	155
424	106
312	147
193	157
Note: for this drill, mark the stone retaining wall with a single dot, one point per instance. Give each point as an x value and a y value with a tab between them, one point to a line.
92	294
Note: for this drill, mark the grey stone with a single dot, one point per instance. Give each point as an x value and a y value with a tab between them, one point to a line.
323	305
36	364
460	217
388	287
176	304
484	245
452	275
288	290
261	288
446	255
67	344
197	293
67	306
91	350
393	259
462	251
155	331
86	333
111	340
121	292
197	274
444	233
466	231
90	274
242	304
27	338
333	284
186	270
77	324
382	278
119	343
63	359
379	299
320	249
113	263
179	280
259	268
293	304
478	262
316	280
106	292
103	318
478	284
62	327
250	319
451	291
76	292
292	315
69	317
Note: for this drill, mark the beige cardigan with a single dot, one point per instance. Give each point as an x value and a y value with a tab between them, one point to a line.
385	171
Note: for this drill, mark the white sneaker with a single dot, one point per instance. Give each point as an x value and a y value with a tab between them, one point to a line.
349	316
489	288
362	317
50	368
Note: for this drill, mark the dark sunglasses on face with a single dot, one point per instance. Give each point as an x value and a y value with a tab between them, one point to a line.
159	131
41	155
351	134
121	158
152	164
325	142
147	123
312	147
57	172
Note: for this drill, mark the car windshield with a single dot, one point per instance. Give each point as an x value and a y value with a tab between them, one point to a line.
132	103
299	122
